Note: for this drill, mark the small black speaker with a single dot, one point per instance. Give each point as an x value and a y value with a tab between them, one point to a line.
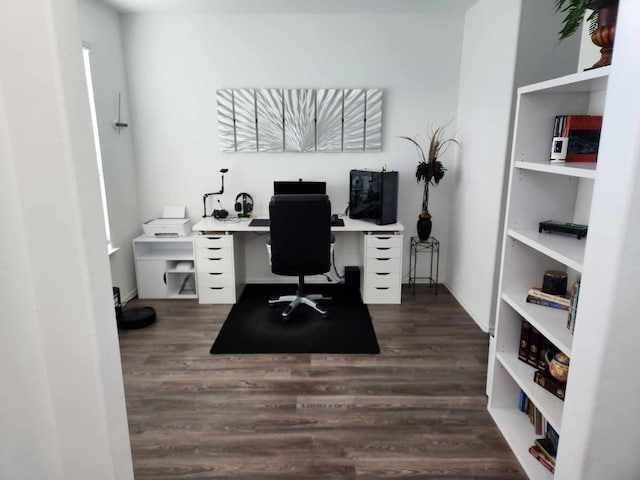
352	278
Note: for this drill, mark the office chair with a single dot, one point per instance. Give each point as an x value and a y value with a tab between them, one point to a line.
300	230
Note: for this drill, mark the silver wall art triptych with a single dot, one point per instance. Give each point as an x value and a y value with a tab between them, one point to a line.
300	120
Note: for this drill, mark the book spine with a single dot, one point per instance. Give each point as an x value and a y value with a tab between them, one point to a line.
549	384
562	300
525	335
545	303
545	345
574	313
534	347
533	451
523	401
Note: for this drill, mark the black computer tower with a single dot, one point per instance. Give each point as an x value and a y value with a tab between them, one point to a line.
373	196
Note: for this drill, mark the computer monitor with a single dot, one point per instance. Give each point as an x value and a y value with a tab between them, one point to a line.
299	188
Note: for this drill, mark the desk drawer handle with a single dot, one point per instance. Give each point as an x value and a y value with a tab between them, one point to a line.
215	273
216	288
382	288
214	248
383	248
213	238
382	259
214	259
383	238
383	273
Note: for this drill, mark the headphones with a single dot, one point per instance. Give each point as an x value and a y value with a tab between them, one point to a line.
243	204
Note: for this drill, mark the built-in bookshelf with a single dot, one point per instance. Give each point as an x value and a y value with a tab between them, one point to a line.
539	191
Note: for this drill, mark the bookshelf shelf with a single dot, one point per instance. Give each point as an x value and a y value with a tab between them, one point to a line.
515	428
547	403
550	322
580	170
563	248
539	191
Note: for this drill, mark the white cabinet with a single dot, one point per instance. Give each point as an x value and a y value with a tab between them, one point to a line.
381	277
218	268
539	191
165	267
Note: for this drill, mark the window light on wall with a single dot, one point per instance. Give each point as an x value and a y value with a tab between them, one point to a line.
86	51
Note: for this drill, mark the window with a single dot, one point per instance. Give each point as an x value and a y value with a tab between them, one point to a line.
86	51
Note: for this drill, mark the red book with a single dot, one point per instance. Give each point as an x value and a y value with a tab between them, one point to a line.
583	133
538	456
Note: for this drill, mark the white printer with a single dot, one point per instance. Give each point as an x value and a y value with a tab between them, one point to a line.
172	223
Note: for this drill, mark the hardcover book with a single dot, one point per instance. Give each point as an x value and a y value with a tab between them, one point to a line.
546	448
576	138
534	346
538	456
550	384
525	334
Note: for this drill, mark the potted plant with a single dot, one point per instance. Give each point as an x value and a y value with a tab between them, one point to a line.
602	23
430	171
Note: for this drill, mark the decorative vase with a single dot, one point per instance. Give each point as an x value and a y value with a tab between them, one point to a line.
558	366
604	35
424	228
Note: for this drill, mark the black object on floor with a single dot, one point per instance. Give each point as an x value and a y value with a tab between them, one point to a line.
254	327
136	317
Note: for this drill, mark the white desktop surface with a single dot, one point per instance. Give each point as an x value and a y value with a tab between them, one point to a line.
210	224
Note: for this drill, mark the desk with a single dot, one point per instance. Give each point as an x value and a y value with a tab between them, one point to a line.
220	264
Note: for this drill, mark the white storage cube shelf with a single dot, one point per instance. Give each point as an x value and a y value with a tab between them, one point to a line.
539	191
165	267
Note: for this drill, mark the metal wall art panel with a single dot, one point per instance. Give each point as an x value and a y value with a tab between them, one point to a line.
300	120
270	120
353	114
226	128
244	106
329	120
373	120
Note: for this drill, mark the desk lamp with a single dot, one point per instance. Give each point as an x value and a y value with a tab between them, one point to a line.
204	197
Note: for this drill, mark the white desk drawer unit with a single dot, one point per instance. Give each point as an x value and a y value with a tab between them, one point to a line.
215	266
382	272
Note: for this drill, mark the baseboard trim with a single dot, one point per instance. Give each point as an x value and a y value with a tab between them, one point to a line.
485	329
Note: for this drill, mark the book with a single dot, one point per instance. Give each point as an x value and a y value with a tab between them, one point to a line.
522	404
545	347
553	436
538	422
573	310
538	456
576	138
546	303
523	348
546	448
534	347
550	384
560	299
583	134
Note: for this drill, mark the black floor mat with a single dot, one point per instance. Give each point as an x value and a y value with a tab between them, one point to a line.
252	326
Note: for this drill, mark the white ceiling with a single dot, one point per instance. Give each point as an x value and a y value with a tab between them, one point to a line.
291	6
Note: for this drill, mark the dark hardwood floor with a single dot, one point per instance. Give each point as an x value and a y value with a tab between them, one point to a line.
415	411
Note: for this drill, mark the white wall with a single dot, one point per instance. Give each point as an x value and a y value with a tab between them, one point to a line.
63	411
176	62
506	44
100	28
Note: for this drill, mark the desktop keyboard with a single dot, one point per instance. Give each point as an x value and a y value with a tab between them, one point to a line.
264	222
